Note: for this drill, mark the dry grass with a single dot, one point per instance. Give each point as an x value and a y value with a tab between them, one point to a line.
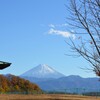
46	97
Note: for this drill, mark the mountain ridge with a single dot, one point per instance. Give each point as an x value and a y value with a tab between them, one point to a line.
68	83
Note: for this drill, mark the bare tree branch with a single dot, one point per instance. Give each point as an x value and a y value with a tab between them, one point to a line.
85	18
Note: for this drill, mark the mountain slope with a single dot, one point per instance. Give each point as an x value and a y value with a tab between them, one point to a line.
70	84
42	71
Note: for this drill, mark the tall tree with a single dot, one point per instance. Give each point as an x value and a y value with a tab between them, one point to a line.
84	18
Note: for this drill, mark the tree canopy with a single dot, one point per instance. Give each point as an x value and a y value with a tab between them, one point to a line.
11	83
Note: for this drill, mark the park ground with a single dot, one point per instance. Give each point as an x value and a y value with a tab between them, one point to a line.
46	97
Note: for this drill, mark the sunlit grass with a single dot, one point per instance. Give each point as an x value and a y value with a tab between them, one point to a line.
46	97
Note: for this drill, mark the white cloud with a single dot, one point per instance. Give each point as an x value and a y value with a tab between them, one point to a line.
62	33
52	26
63	25
57	25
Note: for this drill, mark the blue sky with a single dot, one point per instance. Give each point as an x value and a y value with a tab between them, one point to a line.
34	32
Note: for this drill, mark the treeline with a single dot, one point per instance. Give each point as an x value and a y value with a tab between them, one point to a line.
92	93
12	84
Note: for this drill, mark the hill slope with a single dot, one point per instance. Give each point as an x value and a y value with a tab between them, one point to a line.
11	83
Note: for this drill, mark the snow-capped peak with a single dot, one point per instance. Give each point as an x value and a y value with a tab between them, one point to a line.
43	71
45	68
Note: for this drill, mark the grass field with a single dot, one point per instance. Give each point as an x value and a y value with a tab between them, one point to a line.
47	97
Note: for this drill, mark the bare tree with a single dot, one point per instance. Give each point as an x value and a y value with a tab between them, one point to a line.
84	19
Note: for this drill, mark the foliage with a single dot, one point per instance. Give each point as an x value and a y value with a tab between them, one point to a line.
11	83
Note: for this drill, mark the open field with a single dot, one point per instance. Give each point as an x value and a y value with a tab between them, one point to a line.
46	97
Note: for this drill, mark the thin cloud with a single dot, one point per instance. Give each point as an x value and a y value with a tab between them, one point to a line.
64	25
62	33
57	25
52	25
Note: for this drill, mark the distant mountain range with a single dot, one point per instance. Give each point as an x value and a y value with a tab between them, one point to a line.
49	79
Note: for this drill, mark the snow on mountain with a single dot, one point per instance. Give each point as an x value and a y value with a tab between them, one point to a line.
42	71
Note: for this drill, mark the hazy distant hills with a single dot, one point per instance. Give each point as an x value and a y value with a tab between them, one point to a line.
50	80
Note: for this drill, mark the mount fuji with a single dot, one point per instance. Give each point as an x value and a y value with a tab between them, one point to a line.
49	79
42	71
